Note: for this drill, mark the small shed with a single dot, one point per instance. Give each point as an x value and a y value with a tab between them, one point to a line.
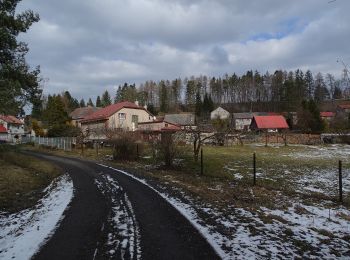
158	125
184	120
242	121
219	113
269	124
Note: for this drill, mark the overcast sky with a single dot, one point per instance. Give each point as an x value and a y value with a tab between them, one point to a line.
89	46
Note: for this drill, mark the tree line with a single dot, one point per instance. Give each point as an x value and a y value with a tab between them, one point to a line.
288	89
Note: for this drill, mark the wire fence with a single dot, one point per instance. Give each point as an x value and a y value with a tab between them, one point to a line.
62	143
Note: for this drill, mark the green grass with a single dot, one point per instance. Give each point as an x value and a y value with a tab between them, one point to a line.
22	179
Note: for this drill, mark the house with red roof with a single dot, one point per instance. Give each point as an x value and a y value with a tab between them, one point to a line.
269	123
123	115
3	134
14	127
327	116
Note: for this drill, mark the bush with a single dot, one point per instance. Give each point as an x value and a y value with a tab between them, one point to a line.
126	147
167	148
63	130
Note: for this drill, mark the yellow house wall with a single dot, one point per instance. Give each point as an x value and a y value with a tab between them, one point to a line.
114	122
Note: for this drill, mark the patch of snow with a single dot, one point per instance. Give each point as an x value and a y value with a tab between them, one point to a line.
23	233
188	212
125	237
312	151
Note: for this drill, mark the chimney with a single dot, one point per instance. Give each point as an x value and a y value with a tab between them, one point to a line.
137	103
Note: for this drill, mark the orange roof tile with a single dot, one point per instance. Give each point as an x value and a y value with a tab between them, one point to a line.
271	122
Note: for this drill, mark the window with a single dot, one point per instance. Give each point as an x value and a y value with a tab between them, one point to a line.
122	116
135	120
121	119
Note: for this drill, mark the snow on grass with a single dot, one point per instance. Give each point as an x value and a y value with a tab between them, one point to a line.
300	231
336	151
323	181
23	233
124	236
320	228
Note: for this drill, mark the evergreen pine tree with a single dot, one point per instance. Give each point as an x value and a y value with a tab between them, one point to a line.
18	83
309	85
198	108
90	103
118	95
163	95
82	103
98	102
106	99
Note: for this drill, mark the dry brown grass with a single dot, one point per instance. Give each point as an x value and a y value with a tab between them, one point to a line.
22	179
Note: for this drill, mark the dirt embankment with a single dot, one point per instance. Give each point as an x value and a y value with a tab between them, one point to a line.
22	180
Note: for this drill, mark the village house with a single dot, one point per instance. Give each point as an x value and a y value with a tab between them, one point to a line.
184	120
158	125
327	116
343	110
219	113
81	113
3	134
14	127
124	116
241	121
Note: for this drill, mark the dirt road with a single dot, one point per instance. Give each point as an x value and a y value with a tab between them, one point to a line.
113	216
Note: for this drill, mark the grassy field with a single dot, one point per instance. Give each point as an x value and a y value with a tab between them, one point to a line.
306	173
22	179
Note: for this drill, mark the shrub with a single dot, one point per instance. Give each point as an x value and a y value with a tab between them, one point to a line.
126	147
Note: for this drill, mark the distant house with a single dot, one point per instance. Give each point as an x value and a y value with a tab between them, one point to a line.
343	109
124	115
14	126
158	125
327	116
184	120
81	113
269	123
241	121
3	133
219	113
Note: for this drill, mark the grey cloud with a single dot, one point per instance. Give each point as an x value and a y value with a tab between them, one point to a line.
91	45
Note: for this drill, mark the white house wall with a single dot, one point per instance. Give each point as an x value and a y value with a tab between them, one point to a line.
13	130
242	124
219	113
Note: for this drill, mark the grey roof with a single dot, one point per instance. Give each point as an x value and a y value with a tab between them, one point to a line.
250	115
243	115
185	119
82	112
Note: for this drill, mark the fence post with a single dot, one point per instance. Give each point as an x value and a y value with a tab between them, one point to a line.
254	169
137	151
340	182
202	170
